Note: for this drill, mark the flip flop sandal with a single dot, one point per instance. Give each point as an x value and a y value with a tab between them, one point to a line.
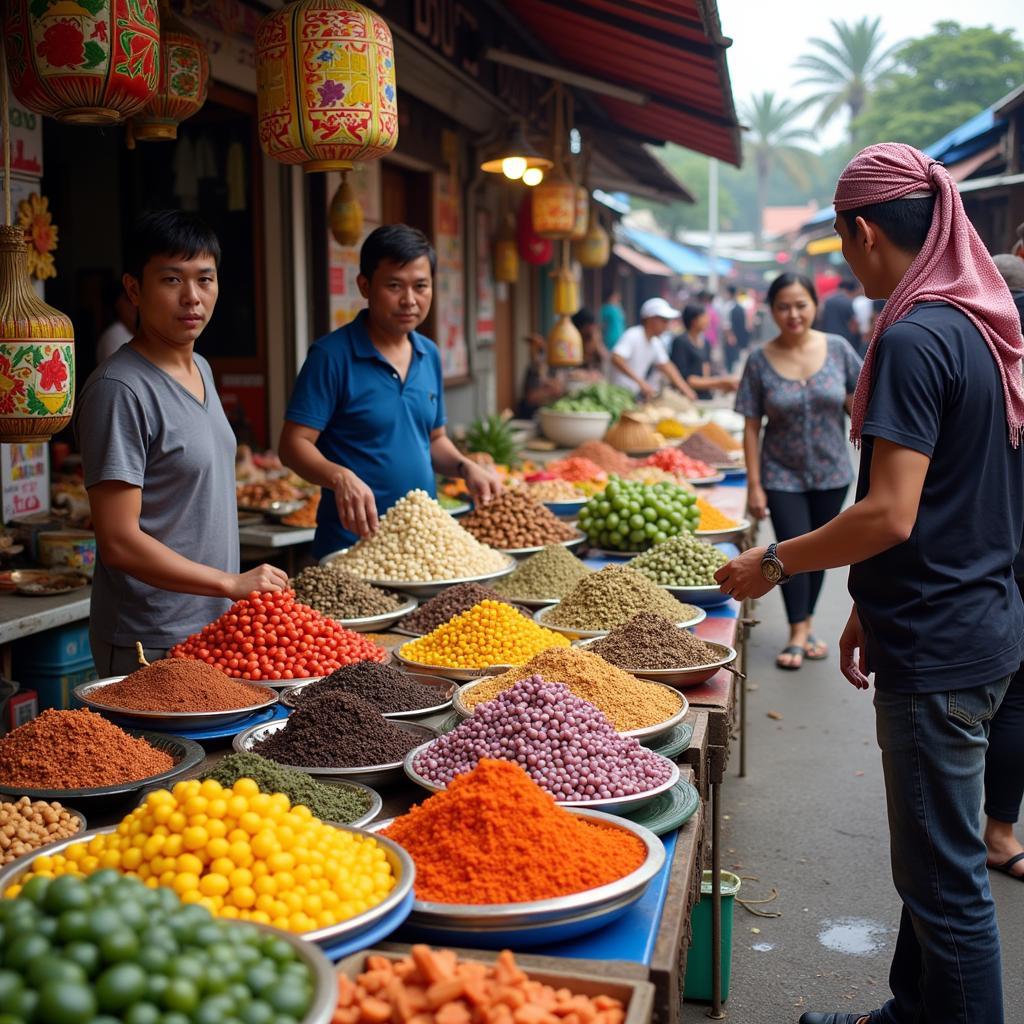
1007	867
833	1018
794	651
813	641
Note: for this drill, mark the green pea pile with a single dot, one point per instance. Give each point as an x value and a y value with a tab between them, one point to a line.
680	561
109	950
631	516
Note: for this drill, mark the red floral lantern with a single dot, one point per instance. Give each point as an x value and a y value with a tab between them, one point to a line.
326	85
90	62
183	82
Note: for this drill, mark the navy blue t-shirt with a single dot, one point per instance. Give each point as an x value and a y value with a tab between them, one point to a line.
941	611
370	420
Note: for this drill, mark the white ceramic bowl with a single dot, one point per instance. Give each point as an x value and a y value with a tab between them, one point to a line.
569	429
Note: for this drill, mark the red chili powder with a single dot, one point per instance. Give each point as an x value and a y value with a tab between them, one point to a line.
176	684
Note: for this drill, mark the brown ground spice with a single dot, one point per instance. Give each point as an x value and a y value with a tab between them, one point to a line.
76	750
178	684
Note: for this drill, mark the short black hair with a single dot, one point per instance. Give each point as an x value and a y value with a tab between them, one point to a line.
848	284
787	279
731	289
169	233
583	319
394	243
691	313
905	222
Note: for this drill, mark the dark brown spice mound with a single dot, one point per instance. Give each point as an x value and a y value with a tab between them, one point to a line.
383	686
449	603
648	641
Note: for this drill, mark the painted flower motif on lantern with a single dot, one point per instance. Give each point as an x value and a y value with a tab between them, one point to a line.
41	233
12	388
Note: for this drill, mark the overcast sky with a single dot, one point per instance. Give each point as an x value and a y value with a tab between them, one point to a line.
768	37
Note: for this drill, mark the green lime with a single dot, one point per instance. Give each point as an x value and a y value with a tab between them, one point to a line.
142	1013
35	889
181	995
73	925
120	986
121	944
290	997
11	984
67	893
24	1004
24	948
51	967
8	1018
102	922
66	1002
257	1012
85	954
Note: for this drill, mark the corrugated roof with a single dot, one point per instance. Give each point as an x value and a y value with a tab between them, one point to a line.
975	134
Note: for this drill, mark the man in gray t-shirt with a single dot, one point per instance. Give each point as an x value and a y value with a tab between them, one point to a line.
158	455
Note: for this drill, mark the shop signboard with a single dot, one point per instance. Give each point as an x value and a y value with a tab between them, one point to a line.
24	479
449	291
484	334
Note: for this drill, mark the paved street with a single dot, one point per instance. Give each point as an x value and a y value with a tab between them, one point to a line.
809	821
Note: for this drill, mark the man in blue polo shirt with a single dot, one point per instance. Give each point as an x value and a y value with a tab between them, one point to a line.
366	418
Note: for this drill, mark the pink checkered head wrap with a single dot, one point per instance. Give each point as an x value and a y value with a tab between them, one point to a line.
953	267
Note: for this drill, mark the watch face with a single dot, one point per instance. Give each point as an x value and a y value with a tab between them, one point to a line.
771	571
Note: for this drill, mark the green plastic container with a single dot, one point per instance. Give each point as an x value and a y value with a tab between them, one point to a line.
698	961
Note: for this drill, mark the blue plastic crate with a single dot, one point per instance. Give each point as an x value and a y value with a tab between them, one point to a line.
54	650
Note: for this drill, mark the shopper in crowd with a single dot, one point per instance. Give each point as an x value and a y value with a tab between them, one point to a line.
596	357
798	387
122	327
540	385
737	330
1004	761
159	459
691	355
613	317
837	315
642	348
937	618
366	420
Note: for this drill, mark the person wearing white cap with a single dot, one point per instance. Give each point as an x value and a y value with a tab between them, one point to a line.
643	346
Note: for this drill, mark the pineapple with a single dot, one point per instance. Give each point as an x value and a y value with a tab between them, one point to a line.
493	435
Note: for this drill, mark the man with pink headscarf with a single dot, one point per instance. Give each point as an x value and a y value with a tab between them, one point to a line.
939	413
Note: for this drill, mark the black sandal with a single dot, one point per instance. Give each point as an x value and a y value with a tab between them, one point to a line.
834	1018
813	641
1006	868
794	651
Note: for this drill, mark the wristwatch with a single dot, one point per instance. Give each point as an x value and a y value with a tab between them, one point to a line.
772	568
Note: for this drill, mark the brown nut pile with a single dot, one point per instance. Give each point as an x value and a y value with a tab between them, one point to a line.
26	825
515	520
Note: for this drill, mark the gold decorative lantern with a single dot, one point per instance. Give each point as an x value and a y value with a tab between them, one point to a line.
582	208
183	83
506	252
594	249
89	62
565	301
565	344
554	199
346	215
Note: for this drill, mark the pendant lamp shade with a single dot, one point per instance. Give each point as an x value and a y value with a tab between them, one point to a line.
513	155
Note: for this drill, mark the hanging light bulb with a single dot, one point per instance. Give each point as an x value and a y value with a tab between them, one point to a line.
532	176
513	154
513	166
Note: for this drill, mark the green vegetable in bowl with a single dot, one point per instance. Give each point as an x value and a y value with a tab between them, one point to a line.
599	397
631	516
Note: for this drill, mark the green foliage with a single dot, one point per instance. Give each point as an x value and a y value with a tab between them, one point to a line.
940	81
493	435
599	397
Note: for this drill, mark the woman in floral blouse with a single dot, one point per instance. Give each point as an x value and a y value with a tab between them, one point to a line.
800	382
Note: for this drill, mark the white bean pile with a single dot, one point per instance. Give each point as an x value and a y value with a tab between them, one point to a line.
418	540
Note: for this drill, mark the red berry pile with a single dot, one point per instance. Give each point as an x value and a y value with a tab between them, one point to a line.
273	636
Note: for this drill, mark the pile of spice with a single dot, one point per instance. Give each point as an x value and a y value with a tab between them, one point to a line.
516	520
566	745
612	596
461	991
582	472
273	636
551	573
629	703
418	540
304	517
339	730
383	686
649	641
675	460
553	490
340	595
25	825
699	447
603	455
76	750
494	836
175	684
712	518
682	561
449	603
720	436
490	633
265	873
339	803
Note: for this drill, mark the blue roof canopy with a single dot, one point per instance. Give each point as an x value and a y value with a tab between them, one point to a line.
679	258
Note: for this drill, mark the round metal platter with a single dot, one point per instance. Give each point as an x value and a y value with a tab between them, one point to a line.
364	819
726	534
533	603
34	582
445	691
595	634
704	597
610	805
644	734
428	588
509	919
401	865
565	508
186	753
275	509
614	555
382	622
571	544
369	775
91	695
460	675
706	481
680	678
670	810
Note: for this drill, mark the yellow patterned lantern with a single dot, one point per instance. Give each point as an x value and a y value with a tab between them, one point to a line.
554	207
183	83
565	344
594	249
37	352
506	253
325	85
579	227
565	299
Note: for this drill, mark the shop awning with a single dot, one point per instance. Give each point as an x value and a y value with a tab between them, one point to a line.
680	258
670	51
641	261
820	246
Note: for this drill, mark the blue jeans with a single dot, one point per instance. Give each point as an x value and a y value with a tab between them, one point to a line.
946	968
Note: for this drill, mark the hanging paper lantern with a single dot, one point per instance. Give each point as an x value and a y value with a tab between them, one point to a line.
346	215
183	82
37	352
95	62
326	96
565	344
532	248
594	249
506	253
554	207
582	208
565	300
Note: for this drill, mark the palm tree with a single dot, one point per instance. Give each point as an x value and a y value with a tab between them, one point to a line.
845	69
772	139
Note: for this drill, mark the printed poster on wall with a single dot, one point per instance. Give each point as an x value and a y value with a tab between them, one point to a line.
450	311
24	479
343	295
484	282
